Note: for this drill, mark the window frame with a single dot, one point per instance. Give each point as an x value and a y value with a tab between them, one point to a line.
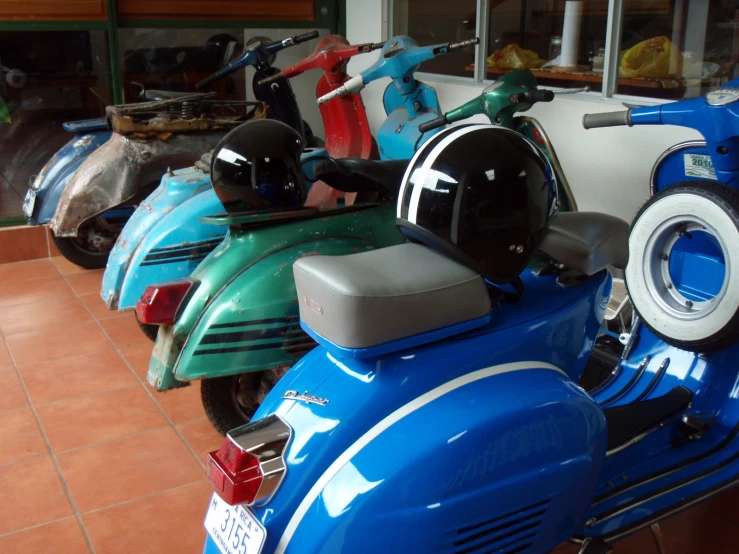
608	94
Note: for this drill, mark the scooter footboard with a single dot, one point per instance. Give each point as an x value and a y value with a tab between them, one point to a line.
500	459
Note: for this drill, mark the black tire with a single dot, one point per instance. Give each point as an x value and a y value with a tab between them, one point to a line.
71	249
151	331
220	400
728	200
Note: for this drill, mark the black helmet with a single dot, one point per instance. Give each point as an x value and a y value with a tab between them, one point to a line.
257	167
482	195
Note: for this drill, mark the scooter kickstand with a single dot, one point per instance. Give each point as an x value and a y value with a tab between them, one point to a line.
595	546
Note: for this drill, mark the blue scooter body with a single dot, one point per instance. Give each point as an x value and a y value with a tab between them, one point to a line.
165	239
44	193
384	458
344	504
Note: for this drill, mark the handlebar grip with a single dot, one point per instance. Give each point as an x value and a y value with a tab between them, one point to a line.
217	75
341	91
610	119
539	96
433	124
463	44
307	36
270	79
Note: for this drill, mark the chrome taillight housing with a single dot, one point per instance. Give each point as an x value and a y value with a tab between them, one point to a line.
250	465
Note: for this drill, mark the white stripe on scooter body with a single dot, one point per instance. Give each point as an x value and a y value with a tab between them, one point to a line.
385	424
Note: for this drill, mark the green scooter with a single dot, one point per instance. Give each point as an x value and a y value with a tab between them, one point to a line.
236	326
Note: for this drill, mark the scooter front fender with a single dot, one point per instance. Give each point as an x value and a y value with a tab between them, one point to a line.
50	183
175	189
117	171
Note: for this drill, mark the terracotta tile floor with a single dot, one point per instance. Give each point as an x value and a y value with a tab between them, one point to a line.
93	460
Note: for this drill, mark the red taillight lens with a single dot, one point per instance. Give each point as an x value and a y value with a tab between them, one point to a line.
235	474
159	303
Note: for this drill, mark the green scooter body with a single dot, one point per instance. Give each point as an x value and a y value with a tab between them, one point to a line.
243	314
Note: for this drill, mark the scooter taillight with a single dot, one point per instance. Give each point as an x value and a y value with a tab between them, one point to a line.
234	474
250	465
159	303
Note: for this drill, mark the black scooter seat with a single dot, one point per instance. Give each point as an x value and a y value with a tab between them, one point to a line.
629	421
360	175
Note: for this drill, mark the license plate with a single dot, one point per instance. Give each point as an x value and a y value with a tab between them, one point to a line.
233	528
29	202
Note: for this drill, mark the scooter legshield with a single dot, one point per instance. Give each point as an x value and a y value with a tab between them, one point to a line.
243	315
50	183
475	443
122	293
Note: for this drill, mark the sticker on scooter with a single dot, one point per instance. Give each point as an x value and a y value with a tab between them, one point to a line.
305	397
313	305
699	165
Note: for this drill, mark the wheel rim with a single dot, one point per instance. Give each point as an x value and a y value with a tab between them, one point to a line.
244	395
659	270
84	241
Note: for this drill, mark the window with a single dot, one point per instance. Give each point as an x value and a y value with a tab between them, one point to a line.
556	39
48	77
176	59
668	49
677	49
437	21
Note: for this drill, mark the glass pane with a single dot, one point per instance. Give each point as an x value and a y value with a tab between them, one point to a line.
48	77
560	41
437	21
177	59
678	48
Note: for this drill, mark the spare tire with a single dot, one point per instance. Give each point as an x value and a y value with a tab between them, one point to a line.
683	270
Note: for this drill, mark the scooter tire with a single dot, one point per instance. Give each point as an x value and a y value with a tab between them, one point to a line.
151	331
219	398
714	326
72	251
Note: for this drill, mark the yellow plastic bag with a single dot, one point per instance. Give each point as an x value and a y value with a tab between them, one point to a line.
514	57
654	58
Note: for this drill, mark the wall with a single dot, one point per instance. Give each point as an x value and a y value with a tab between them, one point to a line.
608	169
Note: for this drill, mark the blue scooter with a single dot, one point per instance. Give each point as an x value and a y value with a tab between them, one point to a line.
474	436
177	249
166	241
408	103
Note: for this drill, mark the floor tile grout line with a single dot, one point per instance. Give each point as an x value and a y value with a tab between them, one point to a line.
84	395
151	495
65	518
52	455
158	493
107	441
22	460
142	383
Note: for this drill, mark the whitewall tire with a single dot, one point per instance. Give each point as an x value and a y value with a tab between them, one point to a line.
680	211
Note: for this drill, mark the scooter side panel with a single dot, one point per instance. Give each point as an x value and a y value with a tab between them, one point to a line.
450	450
173	190
250	329
235	255
56	173
116	171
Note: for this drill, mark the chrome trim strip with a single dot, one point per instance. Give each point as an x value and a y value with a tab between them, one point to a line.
663	155
268	440
555	160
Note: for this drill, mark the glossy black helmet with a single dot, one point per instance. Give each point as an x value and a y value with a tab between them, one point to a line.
257	167
482	195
